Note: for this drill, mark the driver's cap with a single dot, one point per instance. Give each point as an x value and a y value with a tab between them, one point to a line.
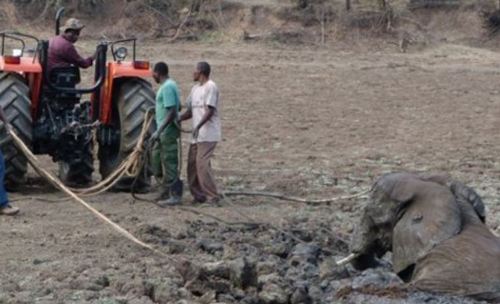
72	24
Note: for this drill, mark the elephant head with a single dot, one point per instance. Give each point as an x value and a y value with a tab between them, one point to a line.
409	214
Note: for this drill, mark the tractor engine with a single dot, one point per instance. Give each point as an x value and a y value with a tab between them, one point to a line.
64	125
62	133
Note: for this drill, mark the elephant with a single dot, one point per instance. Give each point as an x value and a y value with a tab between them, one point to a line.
435	228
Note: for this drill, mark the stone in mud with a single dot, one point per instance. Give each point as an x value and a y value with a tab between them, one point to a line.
305	253
225	298
279	249
268	266
243	273
210	246
102	281
273	294
250	300
176	247
218	269
161	291
329	269
376	277
272	278
301	294
141	300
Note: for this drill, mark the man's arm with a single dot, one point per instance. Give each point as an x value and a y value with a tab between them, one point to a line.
72	56
188	114
168	119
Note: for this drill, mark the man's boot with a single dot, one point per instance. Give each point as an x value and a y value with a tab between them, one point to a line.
176	190
8	210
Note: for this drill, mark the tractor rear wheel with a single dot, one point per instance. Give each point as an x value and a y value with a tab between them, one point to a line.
15	101
134	98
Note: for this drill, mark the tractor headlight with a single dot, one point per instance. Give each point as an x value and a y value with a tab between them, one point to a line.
121	53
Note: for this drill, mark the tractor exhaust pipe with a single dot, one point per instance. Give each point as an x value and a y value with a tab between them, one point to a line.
59	14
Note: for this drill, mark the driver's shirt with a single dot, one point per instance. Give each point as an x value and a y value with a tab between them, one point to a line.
62	53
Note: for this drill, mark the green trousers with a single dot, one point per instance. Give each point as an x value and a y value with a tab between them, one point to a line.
165	158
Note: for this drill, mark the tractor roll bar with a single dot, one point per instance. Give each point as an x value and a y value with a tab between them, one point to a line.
101	51
59	14
112	43
16	36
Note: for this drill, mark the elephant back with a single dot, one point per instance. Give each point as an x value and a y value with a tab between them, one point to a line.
467	264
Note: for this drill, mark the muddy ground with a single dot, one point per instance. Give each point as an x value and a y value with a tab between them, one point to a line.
308	122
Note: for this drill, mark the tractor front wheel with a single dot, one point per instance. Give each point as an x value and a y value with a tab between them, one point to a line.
14	99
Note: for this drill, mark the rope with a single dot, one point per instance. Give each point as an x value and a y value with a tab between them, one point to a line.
294	199
179	263
58	184
131	166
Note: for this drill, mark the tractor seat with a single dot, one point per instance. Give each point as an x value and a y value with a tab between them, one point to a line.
64	77
67	77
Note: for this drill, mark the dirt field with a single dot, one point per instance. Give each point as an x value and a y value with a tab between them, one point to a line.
307	122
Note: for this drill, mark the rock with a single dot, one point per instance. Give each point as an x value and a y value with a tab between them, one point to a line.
249	300
305	253
328	269
207	298
218	285
176	247
315	293
377	278
243	273
279	249
163	291
301	295
102	281
111	301
218	269
141	300
268	266
273	278
305	235
225	298
273	294
238	294
210	246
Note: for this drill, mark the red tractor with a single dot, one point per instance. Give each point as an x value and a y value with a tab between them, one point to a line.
46	110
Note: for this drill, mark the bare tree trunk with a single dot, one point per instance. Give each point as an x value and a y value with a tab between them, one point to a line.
348	5
382	4
323	25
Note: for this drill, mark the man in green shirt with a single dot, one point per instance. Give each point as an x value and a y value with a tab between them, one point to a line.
165	158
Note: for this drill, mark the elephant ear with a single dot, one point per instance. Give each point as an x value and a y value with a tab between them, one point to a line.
432	217
397	186
467	194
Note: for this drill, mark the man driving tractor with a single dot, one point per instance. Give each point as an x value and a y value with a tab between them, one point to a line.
62	52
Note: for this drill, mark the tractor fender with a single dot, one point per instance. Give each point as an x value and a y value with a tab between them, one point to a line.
31	70
117	73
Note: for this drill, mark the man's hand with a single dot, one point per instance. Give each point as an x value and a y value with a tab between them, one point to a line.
155	137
